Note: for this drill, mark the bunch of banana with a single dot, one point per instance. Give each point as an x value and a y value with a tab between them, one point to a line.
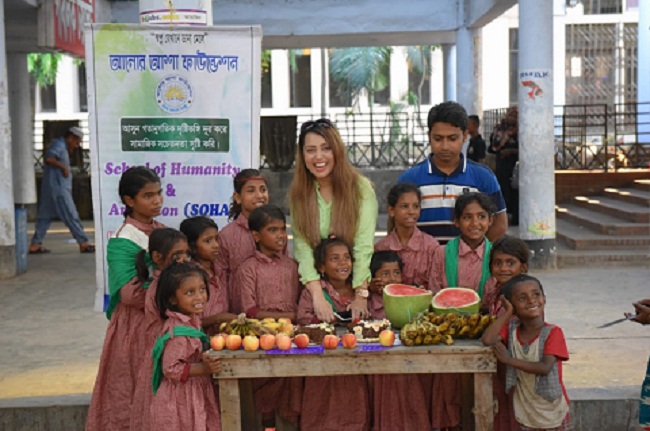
430	328
242	326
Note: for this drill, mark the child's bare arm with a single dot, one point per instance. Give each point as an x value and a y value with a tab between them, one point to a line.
541	368
208	321
491	335
208	365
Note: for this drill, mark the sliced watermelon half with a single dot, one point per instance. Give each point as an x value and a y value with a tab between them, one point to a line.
456	300
402	303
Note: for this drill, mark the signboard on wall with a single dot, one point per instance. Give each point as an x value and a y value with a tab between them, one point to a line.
61	24
183	101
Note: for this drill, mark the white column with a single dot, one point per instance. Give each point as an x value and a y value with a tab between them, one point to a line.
643	72
559	52
437	81
22	138
7	218
317	81
280	79
468	69
67	86
399	74
536	174
449	60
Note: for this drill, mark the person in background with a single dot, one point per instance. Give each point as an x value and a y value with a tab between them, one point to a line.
504	143
476	148
643	317
447	174
56	200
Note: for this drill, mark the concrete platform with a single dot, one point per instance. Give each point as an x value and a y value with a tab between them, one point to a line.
51	340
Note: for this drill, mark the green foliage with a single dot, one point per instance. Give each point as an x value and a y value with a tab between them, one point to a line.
43	66
357	69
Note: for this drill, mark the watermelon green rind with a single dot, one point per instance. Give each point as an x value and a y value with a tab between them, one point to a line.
440	301
402	308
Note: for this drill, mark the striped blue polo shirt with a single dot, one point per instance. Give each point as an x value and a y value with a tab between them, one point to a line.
439	193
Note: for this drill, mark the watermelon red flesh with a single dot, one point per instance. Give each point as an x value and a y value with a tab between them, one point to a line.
404	290
456	300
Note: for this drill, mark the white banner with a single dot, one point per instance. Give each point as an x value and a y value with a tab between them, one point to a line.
182	101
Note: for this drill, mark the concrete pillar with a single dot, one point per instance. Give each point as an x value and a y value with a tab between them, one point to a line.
7	218
67	86
536	171
449	60
643	71
559	52
317	81
399	74
22	138
468	69
280	78
438	79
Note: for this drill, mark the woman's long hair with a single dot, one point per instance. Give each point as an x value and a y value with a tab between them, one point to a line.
345	189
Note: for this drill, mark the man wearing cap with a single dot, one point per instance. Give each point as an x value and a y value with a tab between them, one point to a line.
56	194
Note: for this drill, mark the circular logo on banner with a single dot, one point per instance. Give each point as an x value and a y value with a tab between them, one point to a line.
174	94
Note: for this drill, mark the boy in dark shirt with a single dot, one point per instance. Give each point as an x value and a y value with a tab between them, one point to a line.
476	148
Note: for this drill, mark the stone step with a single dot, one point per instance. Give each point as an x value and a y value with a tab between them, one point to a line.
642	185
631	195
601	258
624	210
580	238
599	222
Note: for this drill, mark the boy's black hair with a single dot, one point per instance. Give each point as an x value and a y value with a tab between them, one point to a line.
475	118
467	198
193	227
320	251
170	280
507	288
238	183
132	181
448	112
161	240
511	245
399	189
384	256
261	216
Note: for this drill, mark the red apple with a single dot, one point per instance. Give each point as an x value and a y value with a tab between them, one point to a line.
301	341
267	341
218	342
330	342
283	341
349	341
386	337
233	342
286	327
251	343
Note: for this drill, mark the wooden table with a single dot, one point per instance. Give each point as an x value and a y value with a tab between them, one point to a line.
469	357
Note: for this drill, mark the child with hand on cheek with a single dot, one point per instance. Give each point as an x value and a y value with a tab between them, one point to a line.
533	350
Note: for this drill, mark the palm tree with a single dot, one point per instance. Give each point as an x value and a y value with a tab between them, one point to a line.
358	69
419	60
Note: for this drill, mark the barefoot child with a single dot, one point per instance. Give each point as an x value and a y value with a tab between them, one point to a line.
398	401
463	262
184	397
202	234
269	287
110	406
533	350
166	245
235	241
415	247
333	403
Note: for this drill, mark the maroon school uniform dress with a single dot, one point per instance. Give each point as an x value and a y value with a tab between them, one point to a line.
236	244
183	402
110	406
417	255
446	387
271	284
400	401
332	403
218	301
